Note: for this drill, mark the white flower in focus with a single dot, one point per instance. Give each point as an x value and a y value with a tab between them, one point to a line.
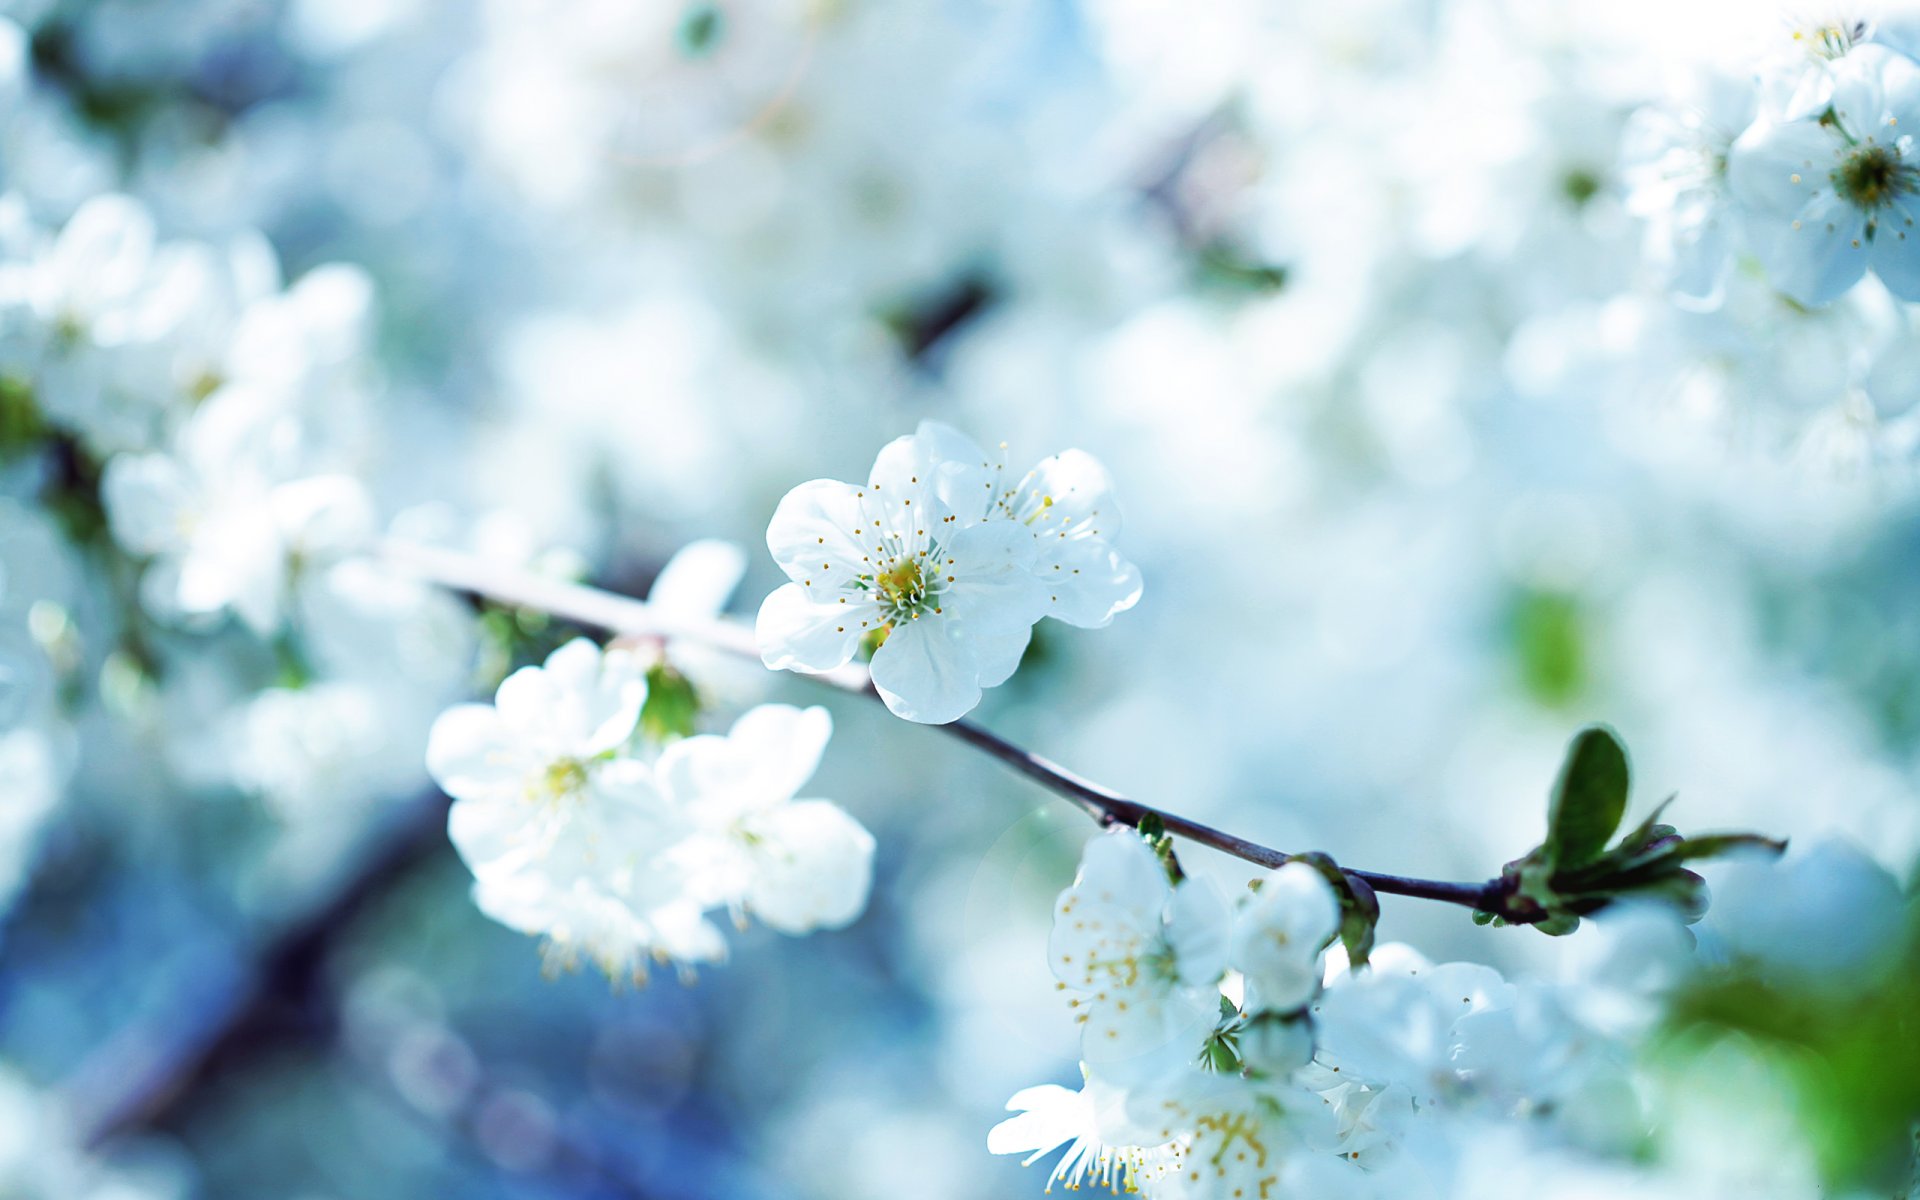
1828	195
561	832
950	604
798	865
1675	159
1086	1122
945	564
1278	935
1143	957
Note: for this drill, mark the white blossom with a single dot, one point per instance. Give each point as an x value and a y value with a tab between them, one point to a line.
1278	935
561	830
572	835
950	603
1142	957
1827	197
943	566
798	865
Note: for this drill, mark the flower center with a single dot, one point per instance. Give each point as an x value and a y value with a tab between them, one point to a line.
903	585
1872	175
560	779
1830	40
905	591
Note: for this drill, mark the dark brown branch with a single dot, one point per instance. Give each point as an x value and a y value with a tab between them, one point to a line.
1110	808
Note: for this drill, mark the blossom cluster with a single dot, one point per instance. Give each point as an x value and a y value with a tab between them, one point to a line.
193	431
615	855
1809	165
1227	1053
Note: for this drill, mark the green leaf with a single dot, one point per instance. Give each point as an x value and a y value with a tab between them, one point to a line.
1589	797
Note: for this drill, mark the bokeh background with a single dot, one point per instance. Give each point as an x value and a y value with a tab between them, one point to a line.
1421	464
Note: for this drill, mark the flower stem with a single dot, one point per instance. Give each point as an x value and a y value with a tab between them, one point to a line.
627	617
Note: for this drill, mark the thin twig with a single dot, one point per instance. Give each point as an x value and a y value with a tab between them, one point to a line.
624	616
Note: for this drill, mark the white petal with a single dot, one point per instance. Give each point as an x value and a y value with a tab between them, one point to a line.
993	584
1382	1030
1279	935
1859	95
905	469
1817	255
471	754
771	752
1896	251
1050	1116
812	536
1081	491
924	674
784	743
498	841
1775	168
150	502
699	579
1198	927
590	700
1152	1036
996	653
1119	868
1087	581
682	934
942	442
813	867
966	477
325	515
794	633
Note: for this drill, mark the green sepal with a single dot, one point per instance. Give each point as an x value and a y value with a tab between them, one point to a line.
672	707
1154	830
1359	907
